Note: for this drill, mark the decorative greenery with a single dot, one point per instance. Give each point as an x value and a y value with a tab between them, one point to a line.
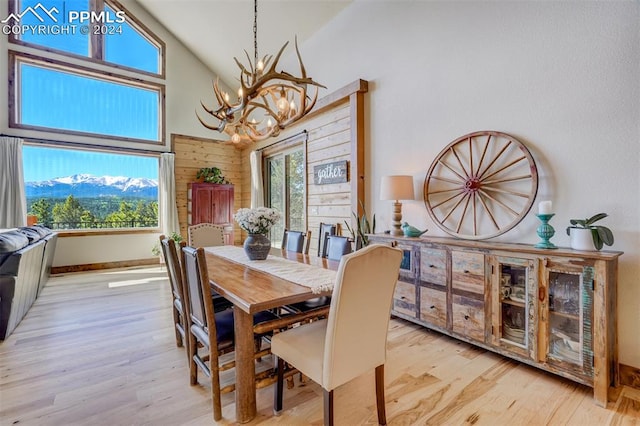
363	226
212	175
601	234
174	236
258	220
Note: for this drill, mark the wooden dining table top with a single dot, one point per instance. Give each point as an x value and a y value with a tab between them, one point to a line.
252	290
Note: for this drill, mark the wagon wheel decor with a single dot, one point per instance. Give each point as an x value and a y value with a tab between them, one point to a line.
481	185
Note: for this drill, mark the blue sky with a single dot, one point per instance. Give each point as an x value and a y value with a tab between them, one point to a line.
47	163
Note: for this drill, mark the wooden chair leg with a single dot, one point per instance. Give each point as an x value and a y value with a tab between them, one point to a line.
193	368
328	407
214	372
382	415
277	396
177	320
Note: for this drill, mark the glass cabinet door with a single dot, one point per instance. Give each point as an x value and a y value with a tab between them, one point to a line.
568	315
515	308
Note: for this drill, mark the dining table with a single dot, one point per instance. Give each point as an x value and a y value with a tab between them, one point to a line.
254	287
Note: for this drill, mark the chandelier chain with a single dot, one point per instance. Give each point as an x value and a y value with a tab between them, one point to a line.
255	32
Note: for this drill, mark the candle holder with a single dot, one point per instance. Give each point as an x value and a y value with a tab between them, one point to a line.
545	231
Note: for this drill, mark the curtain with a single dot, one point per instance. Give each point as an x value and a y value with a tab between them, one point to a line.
13	200
168	208
257	184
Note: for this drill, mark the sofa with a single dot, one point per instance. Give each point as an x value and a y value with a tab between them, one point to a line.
26	255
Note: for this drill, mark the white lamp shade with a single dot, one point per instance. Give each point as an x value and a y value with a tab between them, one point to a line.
396	188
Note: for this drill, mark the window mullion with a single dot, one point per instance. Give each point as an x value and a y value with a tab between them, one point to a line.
96	38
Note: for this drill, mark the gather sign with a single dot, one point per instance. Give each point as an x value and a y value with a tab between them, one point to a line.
335	172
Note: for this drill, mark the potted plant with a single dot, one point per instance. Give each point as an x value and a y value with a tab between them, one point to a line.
587	236
362	228
212	175
156	248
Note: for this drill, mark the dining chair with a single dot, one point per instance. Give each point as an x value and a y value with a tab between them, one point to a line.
352	340
205	235
174	272
325	229
336	246
213	331
296	241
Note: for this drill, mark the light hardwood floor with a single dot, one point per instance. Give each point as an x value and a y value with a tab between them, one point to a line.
99	349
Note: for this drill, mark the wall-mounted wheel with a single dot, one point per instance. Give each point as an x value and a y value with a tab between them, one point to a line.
481	185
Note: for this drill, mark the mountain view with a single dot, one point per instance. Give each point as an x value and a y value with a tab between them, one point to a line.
85	185
86	201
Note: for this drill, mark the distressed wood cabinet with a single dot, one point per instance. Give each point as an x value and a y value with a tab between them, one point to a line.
552	309
211	203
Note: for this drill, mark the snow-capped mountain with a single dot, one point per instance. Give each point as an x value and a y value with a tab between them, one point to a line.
85	185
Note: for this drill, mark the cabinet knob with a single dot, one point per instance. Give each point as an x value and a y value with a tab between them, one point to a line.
466	271
432	266
432	307
466	317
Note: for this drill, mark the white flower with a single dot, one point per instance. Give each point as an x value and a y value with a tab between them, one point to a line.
258	220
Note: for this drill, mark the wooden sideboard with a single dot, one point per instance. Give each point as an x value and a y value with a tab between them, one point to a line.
552	309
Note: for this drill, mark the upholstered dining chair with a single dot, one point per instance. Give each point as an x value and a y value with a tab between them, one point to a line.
336	246
325	229
213	331
296	241
352	340
174	271
205	235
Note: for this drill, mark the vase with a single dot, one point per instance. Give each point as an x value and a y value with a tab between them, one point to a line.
582	239
257	246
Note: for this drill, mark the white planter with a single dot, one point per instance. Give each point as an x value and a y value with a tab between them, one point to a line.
581	239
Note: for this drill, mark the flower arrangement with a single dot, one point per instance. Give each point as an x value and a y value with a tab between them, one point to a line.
258	220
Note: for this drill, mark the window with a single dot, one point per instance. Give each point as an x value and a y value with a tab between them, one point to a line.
49	93
59	97
101	30
86	189
89	72
285	188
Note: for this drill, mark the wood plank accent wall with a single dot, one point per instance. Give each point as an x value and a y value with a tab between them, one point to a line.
335	132
194	153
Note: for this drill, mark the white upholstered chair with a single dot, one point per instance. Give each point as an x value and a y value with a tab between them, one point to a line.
205	235
352	340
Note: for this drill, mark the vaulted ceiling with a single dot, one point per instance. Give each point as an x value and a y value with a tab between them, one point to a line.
218	30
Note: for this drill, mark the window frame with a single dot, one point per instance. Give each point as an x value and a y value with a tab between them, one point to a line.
16	58
107	150
283	148
97	41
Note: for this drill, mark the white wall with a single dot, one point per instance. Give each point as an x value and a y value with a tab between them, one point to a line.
562	77
186	77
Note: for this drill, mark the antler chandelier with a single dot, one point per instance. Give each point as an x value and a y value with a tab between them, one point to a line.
267	102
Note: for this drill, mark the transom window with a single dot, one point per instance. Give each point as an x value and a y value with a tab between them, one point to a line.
101	30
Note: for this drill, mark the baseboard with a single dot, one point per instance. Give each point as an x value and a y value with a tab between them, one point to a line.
104	265
629	376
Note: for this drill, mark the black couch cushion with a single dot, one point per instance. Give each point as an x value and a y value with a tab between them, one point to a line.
41	229
11	241
31	234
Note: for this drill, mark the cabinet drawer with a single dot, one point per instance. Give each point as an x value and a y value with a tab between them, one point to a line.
433	266
433	307
404	299
468	317
467	271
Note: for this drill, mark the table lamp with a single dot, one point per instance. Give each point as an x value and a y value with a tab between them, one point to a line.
396	188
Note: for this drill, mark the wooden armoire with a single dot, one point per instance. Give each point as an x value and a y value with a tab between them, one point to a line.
211	203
